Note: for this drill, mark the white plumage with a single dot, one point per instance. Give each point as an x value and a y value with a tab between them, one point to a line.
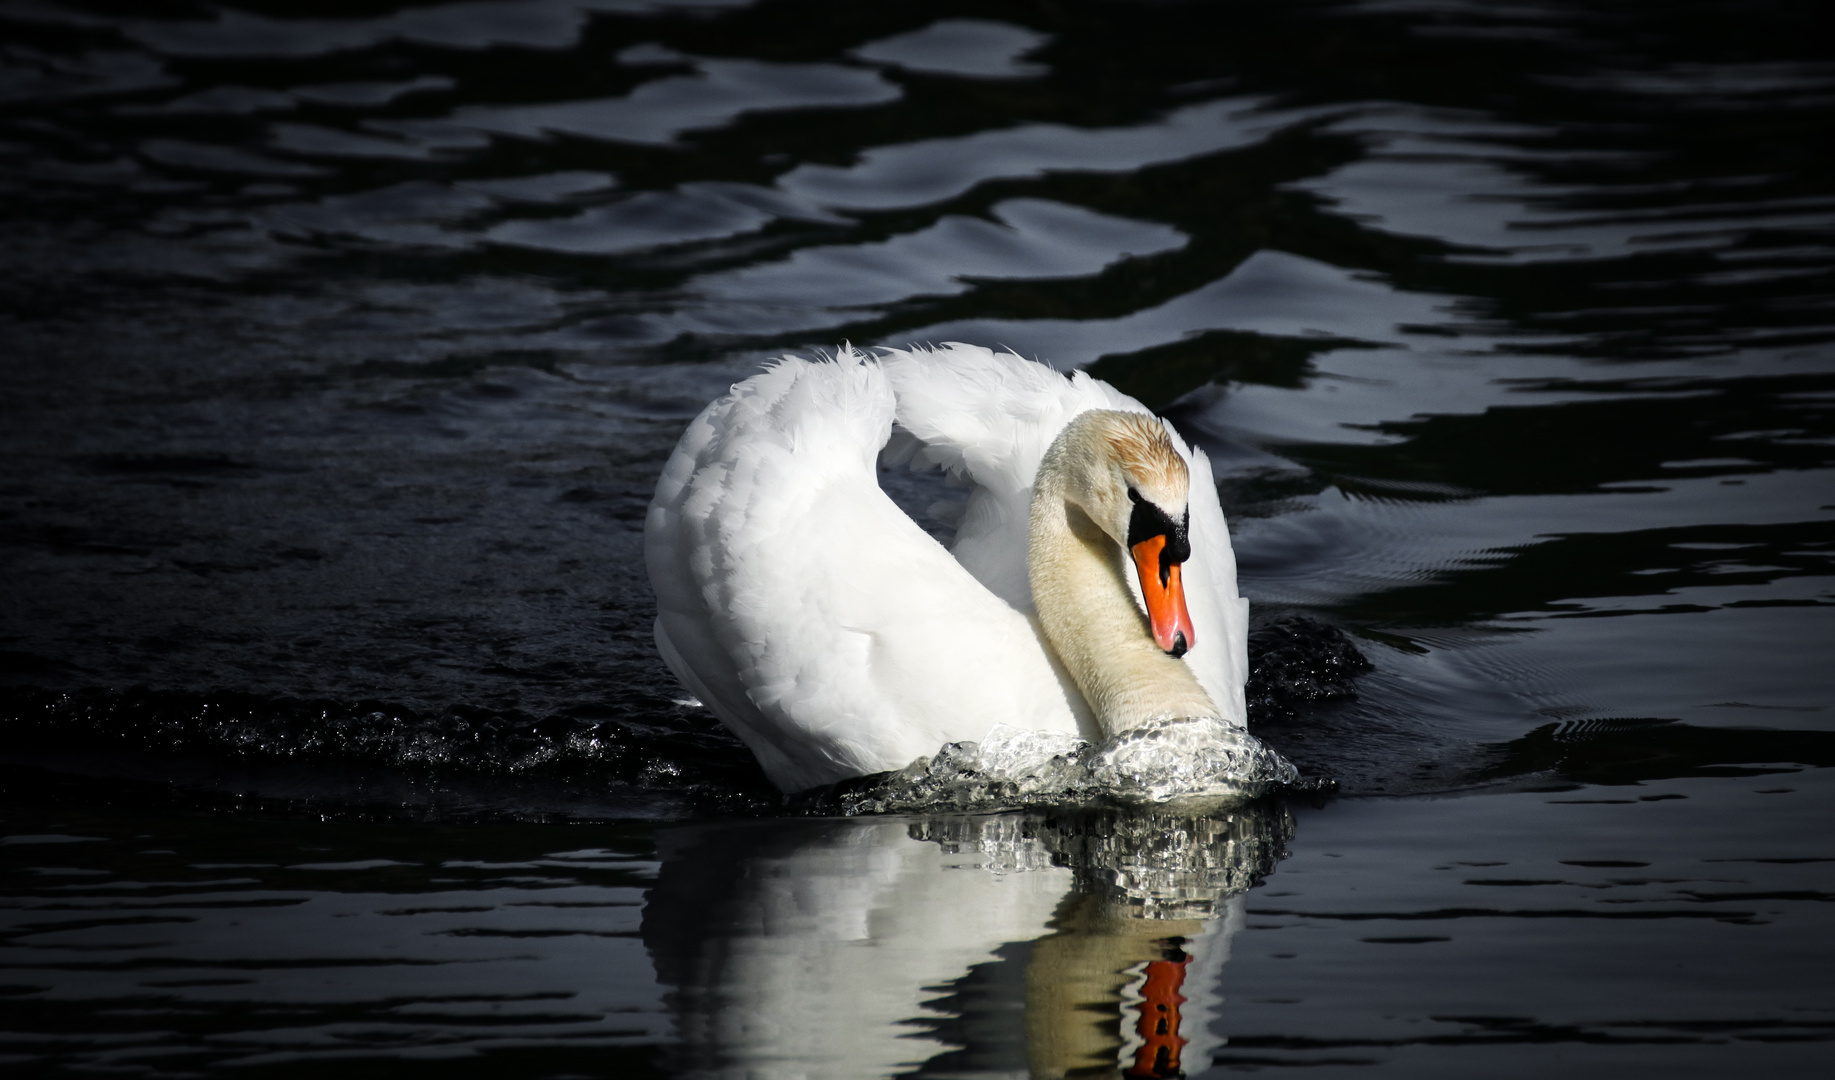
829	631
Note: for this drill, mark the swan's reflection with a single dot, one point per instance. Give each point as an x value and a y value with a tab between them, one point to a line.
1041	944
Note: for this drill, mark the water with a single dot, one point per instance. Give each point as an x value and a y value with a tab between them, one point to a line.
343	344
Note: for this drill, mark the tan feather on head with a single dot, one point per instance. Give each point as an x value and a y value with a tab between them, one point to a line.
1144	450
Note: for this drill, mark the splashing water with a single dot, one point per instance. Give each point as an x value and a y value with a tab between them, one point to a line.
1203	758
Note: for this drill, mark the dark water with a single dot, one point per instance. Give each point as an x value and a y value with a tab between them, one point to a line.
343	343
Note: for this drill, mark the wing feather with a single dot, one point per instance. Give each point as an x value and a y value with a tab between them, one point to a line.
818	621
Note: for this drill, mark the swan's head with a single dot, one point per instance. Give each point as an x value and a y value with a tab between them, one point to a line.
1122	470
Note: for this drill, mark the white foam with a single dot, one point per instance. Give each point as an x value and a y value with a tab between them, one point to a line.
1159	762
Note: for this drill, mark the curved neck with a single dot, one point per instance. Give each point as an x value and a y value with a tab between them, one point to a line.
1089	614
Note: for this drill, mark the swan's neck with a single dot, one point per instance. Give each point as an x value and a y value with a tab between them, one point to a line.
1080	588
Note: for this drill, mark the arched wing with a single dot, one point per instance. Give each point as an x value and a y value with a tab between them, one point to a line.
828	630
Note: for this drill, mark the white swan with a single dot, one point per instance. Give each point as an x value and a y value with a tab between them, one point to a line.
837	638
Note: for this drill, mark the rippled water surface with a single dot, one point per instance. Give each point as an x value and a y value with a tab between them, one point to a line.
343	343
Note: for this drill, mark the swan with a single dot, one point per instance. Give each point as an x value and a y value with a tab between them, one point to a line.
1090	589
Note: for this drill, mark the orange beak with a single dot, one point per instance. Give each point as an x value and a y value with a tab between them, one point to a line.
1165	597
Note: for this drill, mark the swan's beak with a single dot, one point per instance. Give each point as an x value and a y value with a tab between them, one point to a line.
1165	597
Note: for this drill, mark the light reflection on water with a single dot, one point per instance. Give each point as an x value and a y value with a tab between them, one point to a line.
1669	925
817	947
